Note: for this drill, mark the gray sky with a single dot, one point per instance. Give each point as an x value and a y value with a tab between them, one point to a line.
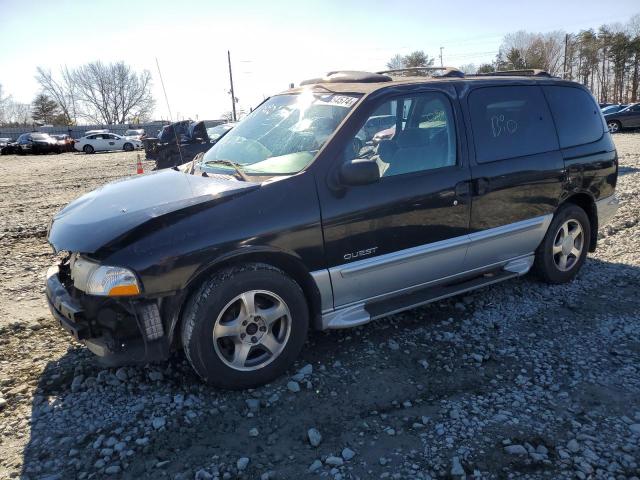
272	43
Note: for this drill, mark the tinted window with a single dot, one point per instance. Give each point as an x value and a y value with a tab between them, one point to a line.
426	138
510	122
576	114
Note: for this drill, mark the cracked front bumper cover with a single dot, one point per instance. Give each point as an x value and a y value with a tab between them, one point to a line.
72	317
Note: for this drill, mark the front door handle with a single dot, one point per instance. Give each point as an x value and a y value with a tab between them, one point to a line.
481	186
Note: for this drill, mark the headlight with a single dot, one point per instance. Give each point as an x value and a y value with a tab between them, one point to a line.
103	280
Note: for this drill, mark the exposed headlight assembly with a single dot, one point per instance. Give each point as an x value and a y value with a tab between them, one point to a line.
103	280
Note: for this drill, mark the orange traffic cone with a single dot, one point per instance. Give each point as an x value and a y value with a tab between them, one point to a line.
139	165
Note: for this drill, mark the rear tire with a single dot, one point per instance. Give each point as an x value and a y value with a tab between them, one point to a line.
245	326
564	248
88	149
614	126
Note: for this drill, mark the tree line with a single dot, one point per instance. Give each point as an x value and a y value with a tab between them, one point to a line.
606	59
96	92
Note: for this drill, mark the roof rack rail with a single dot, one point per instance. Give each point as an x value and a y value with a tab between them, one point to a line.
348	76
527	72
447	71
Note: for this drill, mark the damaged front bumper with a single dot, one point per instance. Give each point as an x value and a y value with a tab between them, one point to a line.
119	332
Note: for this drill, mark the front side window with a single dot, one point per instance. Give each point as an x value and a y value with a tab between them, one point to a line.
510	122
408	134
283	135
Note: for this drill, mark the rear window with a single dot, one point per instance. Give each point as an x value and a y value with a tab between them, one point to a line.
577	116
510	122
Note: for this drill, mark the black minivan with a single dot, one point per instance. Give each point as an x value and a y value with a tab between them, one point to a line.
292	222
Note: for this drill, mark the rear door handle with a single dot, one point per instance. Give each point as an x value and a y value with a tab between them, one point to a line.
481	186
462	189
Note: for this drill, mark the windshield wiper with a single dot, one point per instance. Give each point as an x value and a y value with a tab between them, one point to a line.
236	166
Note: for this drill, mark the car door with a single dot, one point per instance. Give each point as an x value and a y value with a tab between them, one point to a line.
517	172
631	117
410	227
98	142
113	142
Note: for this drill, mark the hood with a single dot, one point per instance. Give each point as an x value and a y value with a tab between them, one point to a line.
103	215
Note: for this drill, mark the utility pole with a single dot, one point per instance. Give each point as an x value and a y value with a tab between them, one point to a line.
441	63
564	67
233	95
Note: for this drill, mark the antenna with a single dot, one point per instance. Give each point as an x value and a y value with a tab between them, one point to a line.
166	99
233	95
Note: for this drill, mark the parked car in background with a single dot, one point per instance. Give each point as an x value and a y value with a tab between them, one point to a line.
7	146
37	143
65	142
178	143
215	133
137	133
100	142
282	227
626	118
91	132
614	108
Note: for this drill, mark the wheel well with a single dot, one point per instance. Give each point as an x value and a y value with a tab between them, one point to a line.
585	202
287	264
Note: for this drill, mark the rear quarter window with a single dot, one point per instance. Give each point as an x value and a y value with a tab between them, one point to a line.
510	122
576	114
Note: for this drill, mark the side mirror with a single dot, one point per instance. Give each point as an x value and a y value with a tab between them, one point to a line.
359	172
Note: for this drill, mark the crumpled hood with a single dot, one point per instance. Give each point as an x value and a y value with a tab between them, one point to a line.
101	216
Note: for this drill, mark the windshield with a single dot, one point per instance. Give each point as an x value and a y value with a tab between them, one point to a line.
283	135
40	136
215	133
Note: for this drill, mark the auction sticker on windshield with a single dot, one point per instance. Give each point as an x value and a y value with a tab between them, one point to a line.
338	100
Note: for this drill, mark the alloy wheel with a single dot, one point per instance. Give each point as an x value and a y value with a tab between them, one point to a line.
252	330
567	245
613	127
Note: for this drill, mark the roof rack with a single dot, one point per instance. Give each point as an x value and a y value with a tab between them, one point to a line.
447	71
348	76
530	72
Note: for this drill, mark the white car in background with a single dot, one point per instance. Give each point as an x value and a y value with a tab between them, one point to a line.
137	133
100	142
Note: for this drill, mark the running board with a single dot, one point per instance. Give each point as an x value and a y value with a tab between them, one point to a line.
433	294
362	313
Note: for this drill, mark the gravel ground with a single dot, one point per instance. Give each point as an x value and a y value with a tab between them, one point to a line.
516	380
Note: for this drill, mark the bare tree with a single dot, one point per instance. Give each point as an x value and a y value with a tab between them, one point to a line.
3	105
532	50
102	93
18	114
468	68
60	90
113	93
12	113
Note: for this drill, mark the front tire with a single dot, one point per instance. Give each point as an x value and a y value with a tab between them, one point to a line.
245	326
128	147
564	248
88	149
